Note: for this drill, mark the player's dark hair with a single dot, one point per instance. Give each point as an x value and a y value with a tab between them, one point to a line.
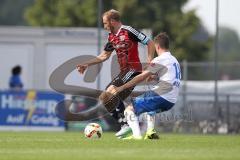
163	40
112	14
16	70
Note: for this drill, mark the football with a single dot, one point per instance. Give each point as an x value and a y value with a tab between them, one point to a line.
93	130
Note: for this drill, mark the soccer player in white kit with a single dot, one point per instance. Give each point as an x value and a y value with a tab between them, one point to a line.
163	95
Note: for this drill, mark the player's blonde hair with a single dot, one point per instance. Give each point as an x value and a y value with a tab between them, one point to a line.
112	14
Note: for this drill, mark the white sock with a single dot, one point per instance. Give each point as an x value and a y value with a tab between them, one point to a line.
150	122
133	122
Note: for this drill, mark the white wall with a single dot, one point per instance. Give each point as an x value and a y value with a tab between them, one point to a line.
41	50
57	54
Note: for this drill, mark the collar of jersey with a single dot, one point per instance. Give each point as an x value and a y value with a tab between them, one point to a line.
165	53
168	52
119	30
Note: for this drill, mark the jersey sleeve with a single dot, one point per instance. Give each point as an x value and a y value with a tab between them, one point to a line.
137	35
109	47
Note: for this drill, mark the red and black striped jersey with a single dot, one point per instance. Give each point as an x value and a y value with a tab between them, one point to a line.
125	43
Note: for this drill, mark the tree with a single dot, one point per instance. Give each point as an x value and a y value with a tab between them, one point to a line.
157	15
67	13
13	14
228	47
167	16
229	44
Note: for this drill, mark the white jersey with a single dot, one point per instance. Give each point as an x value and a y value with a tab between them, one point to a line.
168	71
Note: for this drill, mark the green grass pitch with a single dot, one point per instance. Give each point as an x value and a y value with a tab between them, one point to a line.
74	146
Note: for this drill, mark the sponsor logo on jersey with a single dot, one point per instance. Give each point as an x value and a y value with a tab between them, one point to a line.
122	38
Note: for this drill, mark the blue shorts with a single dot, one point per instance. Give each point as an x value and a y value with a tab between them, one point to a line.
150	102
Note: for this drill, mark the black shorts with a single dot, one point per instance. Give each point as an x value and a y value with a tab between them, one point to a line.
119	80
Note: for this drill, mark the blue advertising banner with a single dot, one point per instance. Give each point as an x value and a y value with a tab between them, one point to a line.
29	110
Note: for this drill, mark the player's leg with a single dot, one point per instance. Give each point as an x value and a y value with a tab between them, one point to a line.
124	78
116	106
150	117
118	114
121	79
152	103
141	105
151	132
132	120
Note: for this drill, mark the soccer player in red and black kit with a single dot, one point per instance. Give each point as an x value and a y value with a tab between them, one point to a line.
124	40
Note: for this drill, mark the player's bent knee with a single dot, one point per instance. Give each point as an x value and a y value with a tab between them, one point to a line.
104	97
109	101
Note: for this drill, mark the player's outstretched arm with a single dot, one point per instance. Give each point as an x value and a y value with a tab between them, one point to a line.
101	58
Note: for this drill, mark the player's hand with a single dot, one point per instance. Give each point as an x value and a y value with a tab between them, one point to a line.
81	68
153	77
